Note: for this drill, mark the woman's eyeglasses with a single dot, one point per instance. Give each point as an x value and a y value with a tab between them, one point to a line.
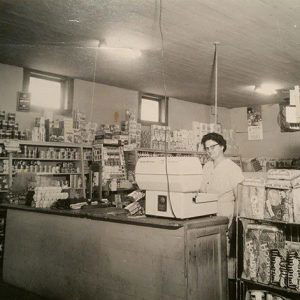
212	147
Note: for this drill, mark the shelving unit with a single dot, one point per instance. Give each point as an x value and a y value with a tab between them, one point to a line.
110	168
291	231
44	159
261	244
48	159
2	237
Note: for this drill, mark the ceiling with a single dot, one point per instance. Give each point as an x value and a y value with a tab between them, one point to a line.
259	42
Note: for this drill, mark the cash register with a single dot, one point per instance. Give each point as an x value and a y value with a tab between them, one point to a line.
172	187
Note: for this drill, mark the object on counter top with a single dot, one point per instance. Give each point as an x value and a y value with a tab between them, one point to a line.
45	197
135	195
80	205
136	207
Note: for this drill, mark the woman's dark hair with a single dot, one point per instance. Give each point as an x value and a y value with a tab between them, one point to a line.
218	138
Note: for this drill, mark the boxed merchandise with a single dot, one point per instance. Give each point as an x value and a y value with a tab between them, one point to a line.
54	131
2	114
259	240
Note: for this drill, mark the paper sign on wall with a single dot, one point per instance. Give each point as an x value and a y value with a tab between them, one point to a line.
23	102
255	128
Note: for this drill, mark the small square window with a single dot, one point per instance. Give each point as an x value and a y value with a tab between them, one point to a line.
48	91
153	109
45	93
149	110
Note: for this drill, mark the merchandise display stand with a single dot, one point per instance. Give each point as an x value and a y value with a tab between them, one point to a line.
268	260
65	160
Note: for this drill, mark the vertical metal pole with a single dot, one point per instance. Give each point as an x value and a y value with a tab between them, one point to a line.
100	181
216	83
91	174
82	172
10	169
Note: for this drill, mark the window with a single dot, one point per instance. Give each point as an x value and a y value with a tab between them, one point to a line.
48	91
153	109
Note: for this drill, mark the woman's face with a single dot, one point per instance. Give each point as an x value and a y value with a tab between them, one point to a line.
213	149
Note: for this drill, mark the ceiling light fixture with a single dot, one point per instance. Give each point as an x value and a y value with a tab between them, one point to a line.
267	89
124	52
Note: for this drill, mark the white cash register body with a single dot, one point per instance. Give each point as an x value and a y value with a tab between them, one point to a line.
184	177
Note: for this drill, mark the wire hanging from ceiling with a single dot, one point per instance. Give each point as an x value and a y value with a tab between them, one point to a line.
94	83
216	83
165	99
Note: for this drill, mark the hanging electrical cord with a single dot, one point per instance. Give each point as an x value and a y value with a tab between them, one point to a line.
94	82
165	98
216	83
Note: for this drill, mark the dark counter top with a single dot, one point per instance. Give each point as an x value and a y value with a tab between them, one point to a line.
111	214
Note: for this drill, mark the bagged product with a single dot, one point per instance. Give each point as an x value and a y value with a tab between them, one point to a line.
279	204
278	267
251	248
258	240
270	237
296	204
253	197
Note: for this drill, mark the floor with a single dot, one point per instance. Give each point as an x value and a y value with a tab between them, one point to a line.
9	292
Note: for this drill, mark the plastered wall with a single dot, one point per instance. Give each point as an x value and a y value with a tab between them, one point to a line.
100	103
11	81
183	113
275	144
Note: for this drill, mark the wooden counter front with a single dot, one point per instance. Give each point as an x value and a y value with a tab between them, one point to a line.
92	256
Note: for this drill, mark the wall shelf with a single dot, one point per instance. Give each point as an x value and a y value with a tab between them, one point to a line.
18	155
48	144
269	286
269	221
43	159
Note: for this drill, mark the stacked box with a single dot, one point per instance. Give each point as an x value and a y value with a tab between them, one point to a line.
54	131
9	129
3	183
67	125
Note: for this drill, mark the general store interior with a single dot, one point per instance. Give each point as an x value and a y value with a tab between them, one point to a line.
208	58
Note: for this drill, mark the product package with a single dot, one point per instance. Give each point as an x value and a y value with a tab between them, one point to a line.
258	241
279	204
253	198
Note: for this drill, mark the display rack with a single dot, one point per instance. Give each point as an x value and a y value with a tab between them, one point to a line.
48	159
109	169
2	237
291	232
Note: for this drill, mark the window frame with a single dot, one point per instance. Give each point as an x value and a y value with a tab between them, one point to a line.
162	108
67	89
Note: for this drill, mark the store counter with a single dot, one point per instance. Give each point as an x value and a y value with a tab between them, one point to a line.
101	253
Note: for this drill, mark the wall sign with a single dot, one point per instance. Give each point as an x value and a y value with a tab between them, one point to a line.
255	128
23	102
